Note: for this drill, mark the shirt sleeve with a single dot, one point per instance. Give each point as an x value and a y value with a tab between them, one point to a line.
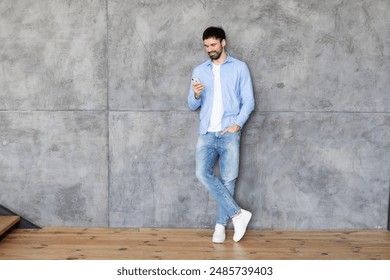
193	103
246	95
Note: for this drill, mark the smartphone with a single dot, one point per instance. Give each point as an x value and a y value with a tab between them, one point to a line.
195	80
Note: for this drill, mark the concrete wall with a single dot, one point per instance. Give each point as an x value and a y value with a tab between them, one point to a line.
95	129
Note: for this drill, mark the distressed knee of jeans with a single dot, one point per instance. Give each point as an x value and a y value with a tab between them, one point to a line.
228	181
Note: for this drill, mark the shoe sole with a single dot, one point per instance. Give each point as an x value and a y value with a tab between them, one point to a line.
218	241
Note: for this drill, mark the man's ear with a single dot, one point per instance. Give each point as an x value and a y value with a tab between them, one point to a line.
223	43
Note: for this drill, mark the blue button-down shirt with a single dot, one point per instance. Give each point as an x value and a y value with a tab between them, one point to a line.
237	93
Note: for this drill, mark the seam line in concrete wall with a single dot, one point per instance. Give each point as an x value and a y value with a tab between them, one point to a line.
388	211
107	118
188	111
330	112
28	111
265	112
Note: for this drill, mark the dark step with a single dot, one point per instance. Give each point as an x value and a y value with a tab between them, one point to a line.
7	222
23	223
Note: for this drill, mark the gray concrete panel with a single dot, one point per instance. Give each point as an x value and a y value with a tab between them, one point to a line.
316	170
53	55
303	55
152	49
152	171
315	55
54	167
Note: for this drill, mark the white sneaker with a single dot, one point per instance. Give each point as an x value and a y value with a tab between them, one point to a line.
219	234
240	223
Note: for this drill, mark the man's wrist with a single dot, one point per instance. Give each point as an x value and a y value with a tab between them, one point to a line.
196	96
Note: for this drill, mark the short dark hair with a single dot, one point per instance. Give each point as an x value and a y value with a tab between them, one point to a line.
214	32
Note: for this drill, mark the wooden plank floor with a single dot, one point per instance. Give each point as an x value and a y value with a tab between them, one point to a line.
186	244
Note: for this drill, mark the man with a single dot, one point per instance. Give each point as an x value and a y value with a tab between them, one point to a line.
222	88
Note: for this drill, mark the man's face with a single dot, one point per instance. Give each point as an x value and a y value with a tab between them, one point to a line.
214	47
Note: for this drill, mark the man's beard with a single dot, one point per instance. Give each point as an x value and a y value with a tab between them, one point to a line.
214	55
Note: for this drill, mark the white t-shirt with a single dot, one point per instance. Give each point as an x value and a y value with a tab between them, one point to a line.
217	109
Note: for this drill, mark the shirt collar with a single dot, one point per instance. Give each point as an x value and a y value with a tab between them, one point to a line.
228	59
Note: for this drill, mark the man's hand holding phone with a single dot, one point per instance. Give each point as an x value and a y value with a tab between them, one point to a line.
197	87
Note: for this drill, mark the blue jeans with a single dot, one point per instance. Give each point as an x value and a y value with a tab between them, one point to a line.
227	147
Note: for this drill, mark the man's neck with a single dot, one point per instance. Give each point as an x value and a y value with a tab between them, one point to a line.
221	59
